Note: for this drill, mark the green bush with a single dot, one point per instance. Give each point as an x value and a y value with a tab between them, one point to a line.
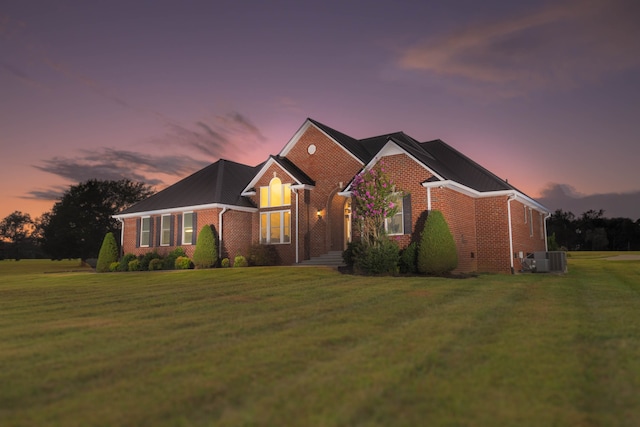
407	261
240	261
206	253
351	253
225	263
155	264
169	261
125	260
437	251
146	259
114	266
261	255
379	259
108	253
183	263
134	265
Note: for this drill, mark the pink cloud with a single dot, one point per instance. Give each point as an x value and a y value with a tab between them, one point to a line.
558	46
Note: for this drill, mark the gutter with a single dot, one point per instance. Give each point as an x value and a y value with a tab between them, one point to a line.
546	241
511	198
220	234
295	190
122	236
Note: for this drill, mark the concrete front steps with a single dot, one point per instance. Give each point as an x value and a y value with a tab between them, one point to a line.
330	259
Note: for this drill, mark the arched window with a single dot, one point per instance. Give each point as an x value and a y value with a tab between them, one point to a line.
275	225
276	194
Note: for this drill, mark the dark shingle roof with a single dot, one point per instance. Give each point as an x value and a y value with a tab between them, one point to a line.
436	155
295	171
221	182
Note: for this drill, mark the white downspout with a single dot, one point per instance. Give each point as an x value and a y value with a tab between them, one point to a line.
546	241
297	224
220	234
122	236
429	198
509	200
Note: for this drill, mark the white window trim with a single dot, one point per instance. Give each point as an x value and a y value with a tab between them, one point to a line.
165	219
399	202
282	228
147	231
183	240
282	194
530	222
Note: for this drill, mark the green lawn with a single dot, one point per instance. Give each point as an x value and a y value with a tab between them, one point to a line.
309	346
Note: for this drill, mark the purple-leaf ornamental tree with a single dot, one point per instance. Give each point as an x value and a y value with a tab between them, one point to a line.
372	200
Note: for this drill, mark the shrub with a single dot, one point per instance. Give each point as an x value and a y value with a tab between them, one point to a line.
183	263
108	253
437	251
134	265
169	261
263	255
206	253
407	261
124	262
240	261
114	266
225	263
146	259
351	253
379	259
155	264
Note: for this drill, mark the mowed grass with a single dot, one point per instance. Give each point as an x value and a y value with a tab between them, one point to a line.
309	346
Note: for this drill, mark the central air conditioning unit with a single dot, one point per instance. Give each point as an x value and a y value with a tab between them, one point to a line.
545	262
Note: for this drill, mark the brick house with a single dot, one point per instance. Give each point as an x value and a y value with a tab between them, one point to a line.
299	202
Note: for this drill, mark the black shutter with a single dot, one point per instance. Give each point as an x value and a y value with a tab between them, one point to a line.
194	235
151	228
179	236
138	222
171	229
406	214
158	230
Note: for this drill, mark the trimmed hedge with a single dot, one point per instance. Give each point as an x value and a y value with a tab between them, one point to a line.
437	253
108	253
206	253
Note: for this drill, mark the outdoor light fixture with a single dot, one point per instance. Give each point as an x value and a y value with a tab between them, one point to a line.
319	213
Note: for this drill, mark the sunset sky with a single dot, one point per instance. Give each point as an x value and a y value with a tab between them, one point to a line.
543	93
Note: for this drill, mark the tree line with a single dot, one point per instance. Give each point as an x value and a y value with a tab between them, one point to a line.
75	226
591	231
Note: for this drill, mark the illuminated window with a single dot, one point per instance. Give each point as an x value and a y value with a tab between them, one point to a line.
145	231
275	227
276	194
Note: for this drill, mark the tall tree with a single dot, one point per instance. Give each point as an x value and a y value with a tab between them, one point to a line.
78	222
16	228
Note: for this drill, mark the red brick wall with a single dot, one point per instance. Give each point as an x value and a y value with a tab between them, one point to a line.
329	166
459	210
408	176
492	235
526	239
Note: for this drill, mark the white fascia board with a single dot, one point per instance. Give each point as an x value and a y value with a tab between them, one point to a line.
186	209
247	190
296	137
302	187
526	200
391	149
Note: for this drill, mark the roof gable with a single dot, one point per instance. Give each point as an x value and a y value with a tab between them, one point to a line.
287	166
350	145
